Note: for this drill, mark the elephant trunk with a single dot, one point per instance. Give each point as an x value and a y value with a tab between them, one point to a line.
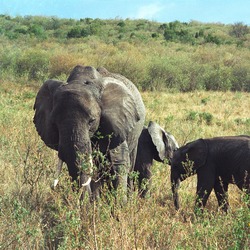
86	175
76	151
175	182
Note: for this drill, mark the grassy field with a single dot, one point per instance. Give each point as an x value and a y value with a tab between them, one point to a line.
32	216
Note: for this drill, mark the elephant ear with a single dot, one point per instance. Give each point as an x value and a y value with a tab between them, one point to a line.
43	107
119	111
196	152
160	139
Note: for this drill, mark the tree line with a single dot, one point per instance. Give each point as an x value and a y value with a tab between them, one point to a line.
173	56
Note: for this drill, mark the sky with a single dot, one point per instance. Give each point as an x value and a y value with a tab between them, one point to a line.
163	11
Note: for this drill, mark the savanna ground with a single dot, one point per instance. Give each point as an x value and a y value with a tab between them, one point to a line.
32	216
173	58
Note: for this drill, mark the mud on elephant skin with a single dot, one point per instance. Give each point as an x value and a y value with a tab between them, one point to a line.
154	144
217	162
94	109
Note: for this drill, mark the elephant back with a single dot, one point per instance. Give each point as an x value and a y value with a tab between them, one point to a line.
128	84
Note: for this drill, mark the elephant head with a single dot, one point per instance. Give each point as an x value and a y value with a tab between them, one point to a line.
185	162
89	110
164	143
154	144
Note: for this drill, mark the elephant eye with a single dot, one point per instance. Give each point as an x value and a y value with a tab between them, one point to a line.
91	121
88	82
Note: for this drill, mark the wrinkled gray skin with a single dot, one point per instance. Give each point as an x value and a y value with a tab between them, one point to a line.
154	144
95	109
217	161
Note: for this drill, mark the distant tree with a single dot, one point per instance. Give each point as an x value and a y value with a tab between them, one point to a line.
121	24
212	39
75	32
22	29
155	35
239	30
37	30
162	27
169	35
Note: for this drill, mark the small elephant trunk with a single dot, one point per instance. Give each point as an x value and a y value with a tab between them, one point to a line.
175	181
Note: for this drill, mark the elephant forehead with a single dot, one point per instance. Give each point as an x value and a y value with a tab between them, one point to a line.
72	93
83	71
74	99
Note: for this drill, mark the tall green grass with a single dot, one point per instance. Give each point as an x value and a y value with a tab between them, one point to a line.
151	66
32	216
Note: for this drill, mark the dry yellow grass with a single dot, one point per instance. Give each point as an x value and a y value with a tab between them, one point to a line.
32	216
230	113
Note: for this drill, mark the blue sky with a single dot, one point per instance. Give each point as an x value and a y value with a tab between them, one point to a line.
222	11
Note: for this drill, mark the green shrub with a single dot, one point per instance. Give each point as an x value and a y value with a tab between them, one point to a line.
218	78
239	30
200	117
188	58
37	30
62	64
34	64
8	58
75	32
240	79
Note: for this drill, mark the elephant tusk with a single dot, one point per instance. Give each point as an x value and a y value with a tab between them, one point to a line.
91	163
87	182
55	183
58	172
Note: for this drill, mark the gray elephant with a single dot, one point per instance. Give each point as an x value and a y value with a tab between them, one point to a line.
154	144
93	110
217	162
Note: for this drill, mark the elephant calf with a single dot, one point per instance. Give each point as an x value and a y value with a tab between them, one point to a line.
154	144
217	162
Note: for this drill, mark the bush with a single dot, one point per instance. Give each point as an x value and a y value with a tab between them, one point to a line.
218	78
241	79
38	31
239	30
178	73
126	60
8	58
200	117
75	32
62	64
34	64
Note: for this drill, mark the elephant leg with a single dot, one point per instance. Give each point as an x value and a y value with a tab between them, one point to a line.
221	189
132	157
205	185
175	187
243	181
121	164
245	186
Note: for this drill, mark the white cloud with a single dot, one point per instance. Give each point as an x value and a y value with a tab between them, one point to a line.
149	11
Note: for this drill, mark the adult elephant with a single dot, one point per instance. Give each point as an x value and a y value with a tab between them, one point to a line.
154	144
94	109
217	162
